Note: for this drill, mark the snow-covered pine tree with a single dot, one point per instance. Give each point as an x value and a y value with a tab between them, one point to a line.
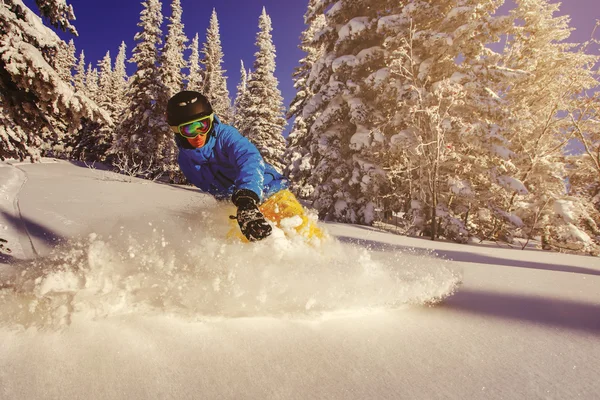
339	124
69	146
76	144
79	145
97	138
541	102
59	14
214	86
94	140
172	64
105	78
80	73
241	100
172	61
265	112
119	85
298	157
91	83
391	104
65	61
195	76
143	133
35	103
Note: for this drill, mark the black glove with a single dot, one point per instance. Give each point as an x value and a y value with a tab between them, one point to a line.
252	222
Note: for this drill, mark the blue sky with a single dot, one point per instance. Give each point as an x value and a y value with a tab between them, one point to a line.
102	25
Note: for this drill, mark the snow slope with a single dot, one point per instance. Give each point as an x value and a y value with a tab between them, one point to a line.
122	288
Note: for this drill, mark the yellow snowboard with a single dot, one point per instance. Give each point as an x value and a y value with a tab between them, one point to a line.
280	207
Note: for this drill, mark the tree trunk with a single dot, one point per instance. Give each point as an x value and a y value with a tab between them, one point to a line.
434	223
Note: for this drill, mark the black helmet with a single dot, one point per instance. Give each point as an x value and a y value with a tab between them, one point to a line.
186	106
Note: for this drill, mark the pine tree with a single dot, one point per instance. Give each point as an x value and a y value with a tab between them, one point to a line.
94	139
143	135
215	81
91	83
298	157
302	73
386	111
59	14
337	124
107	99
36	105
172	61
105	80
265	110
80	74
195	77
65	61
241	100
119	85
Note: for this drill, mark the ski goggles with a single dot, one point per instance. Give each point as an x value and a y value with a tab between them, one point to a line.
200	126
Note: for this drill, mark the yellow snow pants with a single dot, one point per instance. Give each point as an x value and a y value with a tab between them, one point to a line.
280	206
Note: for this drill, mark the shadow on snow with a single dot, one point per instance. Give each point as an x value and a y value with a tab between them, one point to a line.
460	256
538	310
27	228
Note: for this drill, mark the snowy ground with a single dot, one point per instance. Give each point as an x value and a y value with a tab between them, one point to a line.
127	289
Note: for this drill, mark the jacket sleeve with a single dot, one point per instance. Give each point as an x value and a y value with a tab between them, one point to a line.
247	159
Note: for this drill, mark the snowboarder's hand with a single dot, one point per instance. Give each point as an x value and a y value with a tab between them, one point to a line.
252	222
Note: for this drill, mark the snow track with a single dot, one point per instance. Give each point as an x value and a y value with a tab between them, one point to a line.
17	243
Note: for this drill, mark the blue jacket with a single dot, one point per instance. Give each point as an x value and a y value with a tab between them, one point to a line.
227	162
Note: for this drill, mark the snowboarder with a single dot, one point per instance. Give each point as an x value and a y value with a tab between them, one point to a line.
216	158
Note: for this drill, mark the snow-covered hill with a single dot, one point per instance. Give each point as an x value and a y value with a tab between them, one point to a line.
122	288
